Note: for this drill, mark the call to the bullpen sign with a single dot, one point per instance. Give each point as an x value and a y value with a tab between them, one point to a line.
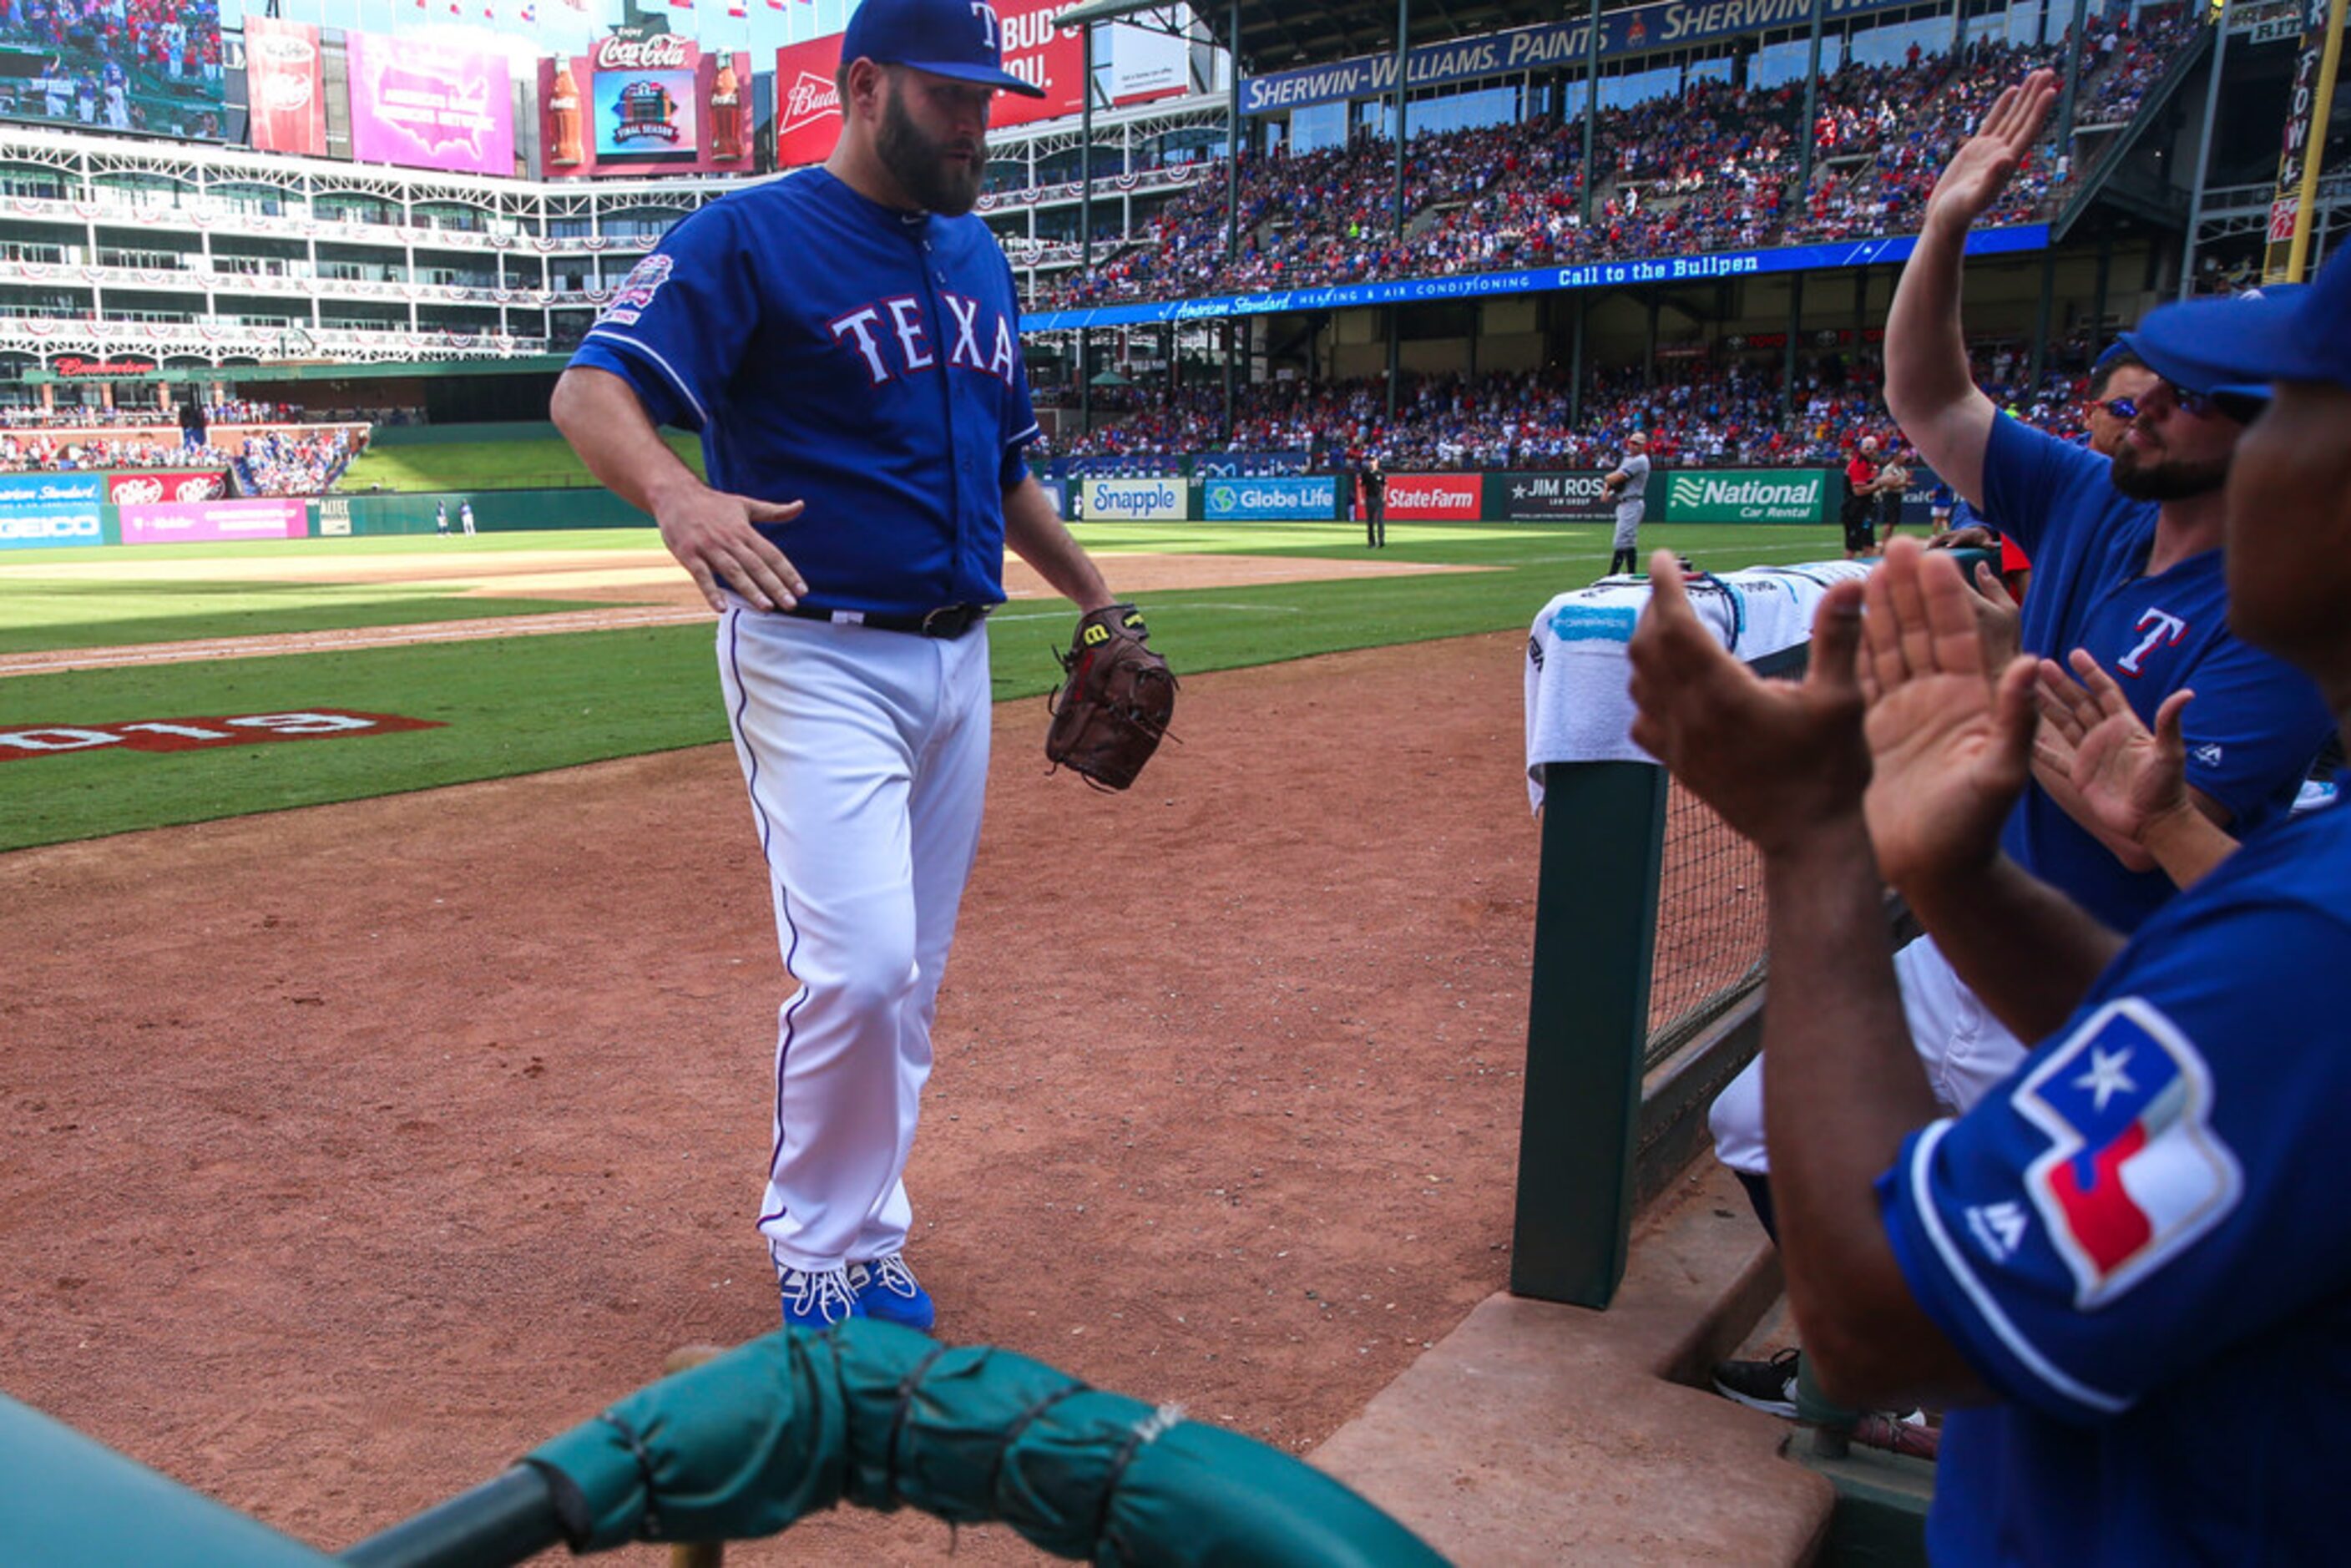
1745	496
1131	500
1272	500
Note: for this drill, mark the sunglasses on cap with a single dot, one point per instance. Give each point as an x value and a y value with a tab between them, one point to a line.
2194	405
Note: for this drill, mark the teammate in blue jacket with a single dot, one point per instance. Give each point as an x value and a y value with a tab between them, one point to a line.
2127	1270
847	342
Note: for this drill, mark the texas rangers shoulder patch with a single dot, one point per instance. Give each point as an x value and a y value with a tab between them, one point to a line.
2134	1172
637	290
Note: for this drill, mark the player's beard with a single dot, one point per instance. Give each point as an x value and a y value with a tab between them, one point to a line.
2165	481
920	166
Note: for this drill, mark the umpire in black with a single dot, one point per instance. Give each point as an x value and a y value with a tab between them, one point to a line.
1376	504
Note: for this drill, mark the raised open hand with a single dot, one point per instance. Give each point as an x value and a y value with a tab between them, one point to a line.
2128	776
1949	740
1986	161
1778	759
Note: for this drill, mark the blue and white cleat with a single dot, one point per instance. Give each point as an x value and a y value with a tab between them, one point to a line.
819	1300
886	1289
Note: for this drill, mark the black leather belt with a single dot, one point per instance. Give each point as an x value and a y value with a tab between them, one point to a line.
947	621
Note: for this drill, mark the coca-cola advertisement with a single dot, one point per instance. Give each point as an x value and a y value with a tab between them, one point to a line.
644	104
289	100
154	486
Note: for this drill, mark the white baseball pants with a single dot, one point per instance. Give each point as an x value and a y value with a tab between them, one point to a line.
866	757
1967	1053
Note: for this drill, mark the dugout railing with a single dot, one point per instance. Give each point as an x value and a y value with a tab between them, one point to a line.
1640	1006
1645	999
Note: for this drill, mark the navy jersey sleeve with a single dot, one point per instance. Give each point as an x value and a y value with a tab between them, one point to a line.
2156	1185
2251	732
1021	426
677	326
2034	483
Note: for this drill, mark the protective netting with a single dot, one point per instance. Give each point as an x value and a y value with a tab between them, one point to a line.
1712	925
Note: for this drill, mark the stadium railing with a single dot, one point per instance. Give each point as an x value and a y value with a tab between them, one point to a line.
1645	1000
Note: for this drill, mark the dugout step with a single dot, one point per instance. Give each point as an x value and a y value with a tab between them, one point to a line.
1542	1433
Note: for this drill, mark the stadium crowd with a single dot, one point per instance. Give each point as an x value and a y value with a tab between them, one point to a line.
84	416
281	462
51	455
1708	169
1692	411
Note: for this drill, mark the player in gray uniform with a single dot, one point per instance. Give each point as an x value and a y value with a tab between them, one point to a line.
1630	484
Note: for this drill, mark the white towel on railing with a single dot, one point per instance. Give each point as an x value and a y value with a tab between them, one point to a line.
1578	709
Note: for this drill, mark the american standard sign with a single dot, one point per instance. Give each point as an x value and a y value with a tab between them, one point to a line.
1533	280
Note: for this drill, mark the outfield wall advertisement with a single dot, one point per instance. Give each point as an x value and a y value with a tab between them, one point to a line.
1431	497
47	510
1272	500
1575	497
1134	501
146	487
1747	496
168	522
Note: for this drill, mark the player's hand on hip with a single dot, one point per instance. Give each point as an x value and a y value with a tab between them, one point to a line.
712	535
1950	740
1779	759
1980	169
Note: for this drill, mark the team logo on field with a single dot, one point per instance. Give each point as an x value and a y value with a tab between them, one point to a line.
637	290
2134	1172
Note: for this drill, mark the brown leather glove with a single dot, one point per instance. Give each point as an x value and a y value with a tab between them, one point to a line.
1115	699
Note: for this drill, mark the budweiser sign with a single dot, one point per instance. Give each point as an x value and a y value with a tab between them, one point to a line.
661	52
812	98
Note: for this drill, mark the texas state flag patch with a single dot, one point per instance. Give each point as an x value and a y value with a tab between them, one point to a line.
2134	1172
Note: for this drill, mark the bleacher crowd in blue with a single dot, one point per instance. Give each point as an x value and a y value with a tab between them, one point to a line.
1712	168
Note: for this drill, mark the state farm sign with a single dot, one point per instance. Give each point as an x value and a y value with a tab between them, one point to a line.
1434	498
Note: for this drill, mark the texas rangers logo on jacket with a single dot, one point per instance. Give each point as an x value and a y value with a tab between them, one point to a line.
2134	1172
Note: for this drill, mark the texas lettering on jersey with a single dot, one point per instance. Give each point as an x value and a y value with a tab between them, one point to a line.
894	338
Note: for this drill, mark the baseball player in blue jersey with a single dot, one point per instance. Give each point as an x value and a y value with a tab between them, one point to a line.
847	342
2126	1272
2128	566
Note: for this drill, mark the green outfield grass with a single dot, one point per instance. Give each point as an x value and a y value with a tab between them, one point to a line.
543	464
524	704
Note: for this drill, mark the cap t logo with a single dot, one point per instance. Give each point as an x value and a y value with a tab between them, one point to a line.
986	14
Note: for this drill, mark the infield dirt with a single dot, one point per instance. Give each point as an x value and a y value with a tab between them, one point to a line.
349	1152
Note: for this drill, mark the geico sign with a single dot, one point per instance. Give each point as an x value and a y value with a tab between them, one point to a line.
81	527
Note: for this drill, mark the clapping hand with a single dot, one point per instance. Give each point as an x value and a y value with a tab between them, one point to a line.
1950	738
1778	759
2129	776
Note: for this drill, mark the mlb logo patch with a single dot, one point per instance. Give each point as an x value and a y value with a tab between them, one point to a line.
2134	1172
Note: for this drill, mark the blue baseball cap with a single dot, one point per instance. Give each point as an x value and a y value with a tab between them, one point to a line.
2286	333
945	37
